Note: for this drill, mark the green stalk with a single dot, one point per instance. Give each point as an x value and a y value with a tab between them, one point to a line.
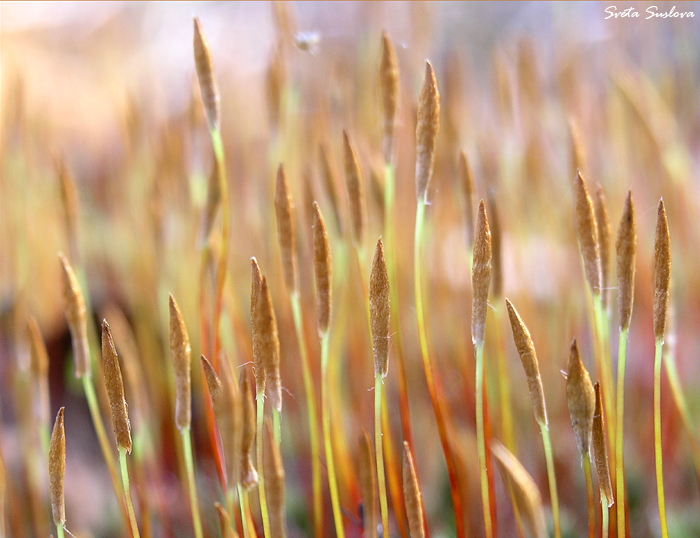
218	143
481	439
390	251
243	500
60	531
547	441
313	416
619	443
677	392
381	479
338	390
326	417
127	492
606	515
378	402
220	156
682	405
341	265
657	438
432	388
189	463
261	468
590	494
101	432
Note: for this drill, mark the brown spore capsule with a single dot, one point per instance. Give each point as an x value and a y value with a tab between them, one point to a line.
426	131
115	389
323	269
481	275
180	353
380	311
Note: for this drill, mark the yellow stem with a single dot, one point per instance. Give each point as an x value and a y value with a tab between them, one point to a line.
127	492
381	479
620	423
481	439
547	441
218	143
261	469
430	379
606	515
606	372
682	405
657	438
189	464
243	501
313	415
326	416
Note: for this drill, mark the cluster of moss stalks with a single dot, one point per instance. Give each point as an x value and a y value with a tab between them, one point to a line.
248	440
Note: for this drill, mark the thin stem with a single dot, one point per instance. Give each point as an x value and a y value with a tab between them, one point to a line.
481	439
381	480
189	463
390	252
432	381
231	507
101	432
677	392
591	495
313	415
60	533
142	454
605	365
382	415
548	454
346	476
657	438
606	515
261	468
326	417
219	152
127	492
620	423
682	405
243	500
418	240
220	155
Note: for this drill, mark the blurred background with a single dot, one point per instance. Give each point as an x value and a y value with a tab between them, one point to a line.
106	93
